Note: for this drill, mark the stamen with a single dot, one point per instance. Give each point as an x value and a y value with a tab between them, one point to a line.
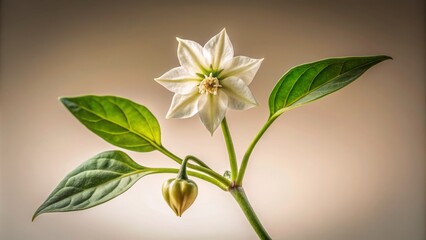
209	85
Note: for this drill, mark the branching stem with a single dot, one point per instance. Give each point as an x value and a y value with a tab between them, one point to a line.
246	157
202	169
199	175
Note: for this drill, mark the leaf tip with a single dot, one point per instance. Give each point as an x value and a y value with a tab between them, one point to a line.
38	212
68	102
63	99
35	216
389	57
385	57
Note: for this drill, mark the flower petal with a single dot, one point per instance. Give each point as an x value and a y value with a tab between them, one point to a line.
242	67
178	80
183	106
190	56
218	50
212	109
239	95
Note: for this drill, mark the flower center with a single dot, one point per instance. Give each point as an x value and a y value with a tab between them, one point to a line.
209	85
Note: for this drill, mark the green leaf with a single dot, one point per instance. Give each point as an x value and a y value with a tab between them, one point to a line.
119	121
96	181
308	82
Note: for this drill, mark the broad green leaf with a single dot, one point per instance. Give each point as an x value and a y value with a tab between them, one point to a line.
119	121
308	82
96	181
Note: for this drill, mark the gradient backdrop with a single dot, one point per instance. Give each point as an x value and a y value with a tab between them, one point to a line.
350	166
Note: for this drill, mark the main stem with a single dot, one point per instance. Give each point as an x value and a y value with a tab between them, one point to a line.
241	198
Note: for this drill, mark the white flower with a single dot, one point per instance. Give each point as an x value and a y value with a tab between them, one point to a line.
209	80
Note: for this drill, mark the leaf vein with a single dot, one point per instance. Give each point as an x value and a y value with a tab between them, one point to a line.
109	120
291	89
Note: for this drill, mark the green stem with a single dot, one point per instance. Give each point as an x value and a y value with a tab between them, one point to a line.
197	160
231	150
206	178
182	171
205	170
241	198
246	157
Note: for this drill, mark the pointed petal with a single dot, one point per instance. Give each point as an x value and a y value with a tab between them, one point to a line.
183	106
212	110
239	95
178	80
218	50
242	67
190	56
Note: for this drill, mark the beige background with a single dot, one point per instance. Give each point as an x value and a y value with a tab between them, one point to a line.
350	166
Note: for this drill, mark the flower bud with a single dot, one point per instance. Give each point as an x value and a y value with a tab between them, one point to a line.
179	194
